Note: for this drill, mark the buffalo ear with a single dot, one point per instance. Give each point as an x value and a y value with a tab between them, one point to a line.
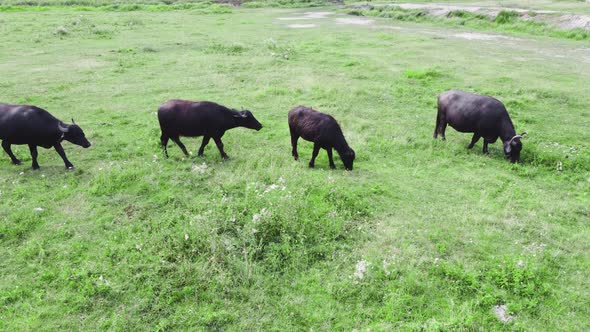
73	121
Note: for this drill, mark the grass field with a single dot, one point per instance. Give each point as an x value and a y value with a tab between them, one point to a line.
422	235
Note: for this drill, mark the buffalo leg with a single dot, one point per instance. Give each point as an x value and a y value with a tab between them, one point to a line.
436	125
62	154
8	150
294	138
203	144
164	139
332	166
219	144
179	143
316	150
34	154
473	141
485	146
443	128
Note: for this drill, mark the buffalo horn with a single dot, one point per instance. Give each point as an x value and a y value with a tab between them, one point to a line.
63	129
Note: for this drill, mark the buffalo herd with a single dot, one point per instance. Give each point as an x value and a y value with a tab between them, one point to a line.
484	116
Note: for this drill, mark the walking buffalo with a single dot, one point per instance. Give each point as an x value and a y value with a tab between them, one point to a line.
34	126
200	118
481	115
321	129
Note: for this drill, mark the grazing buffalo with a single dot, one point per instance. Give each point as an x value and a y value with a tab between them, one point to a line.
481	115
200	118
321	129
24	124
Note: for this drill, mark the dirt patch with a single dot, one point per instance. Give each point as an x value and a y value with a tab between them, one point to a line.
442	9
86	64
501	312
318	14
567	21
301	26
574	21
355	21
235	3
482	36
438	9
307	16
561	21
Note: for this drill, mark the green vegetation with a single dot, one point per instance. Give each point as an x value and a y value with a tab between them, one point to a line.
151	5
422	235
506	21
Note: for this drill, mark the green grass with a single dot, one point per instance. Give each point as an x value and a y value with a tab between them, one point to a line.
422	235
506	21
150	5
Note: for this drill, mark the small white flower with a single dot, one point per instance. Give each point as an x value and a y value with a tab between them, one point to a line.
186	237
39	209
259	216
386	267
361	269
201	169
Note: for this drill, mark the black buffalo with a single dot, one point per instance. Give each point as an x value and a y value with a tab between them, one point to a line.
200	118
481	115
34	126
321	129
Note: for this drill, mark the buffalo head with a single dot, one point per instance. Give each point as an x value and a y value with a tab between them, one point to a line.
348	159
246	119
74	134
512	148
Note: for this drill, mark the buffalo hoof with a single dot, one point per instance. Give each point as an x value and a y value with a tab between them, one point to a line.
296	157
311	166
16	162
70	168
36	168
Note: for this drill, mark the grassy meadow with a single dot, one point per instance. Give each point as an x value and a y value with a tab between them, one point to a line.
422	235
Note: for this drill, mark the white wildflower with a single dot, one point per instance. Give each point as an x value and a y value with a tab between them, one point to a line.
260	216
201	169
270	188
39	209
186	237
386	267
102	280
361	269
